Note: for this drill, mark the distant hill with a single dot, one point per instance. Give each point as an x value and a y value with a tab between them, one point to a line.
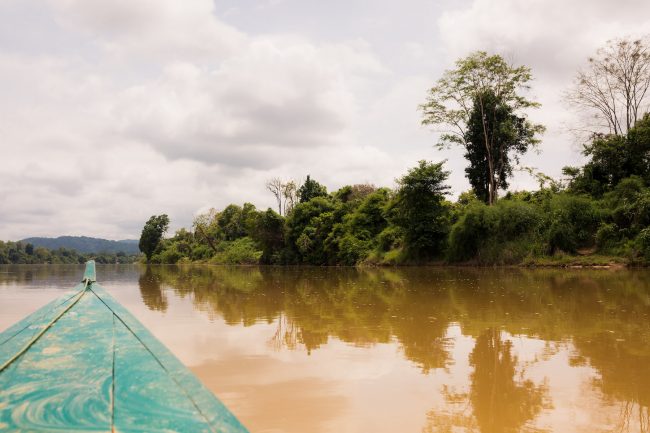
84	244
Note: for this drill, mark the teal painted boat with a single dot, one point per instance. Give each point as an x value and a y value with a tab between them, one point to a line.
83	363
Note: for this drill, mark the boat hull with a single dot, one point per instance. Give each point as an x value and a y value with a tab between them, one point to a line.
83	363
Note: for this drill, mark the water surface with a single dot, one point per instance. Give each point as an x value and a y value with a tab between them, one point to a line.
391	350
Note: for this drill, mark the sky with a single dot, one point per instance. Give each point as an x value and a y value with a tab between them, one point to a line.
113	111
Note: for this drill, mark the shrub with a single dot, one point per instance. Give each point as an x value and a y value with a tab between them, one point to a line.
494	234
642	242
607	235
352	250
572	223
389	238
242	251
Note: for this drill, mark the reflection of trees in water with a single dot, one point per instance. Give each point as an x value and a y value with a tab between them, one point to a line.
622	360
151	291
633	417
499	400
286	334
61	276
604	314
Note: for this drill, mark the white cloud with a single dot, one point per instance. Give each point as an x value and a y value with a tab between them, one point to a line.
274	94
114	111
554	38
173	111
152	29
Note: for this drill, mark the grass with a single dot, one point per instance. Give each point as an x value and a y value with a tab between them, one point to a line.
567	260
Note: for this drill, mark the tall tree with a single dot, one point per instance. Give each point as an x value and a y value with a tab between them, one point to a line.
419	209
286	194
613	89
507	136
290	195
613	158
206	228
311	189
276	187
152	234
268	232
482	86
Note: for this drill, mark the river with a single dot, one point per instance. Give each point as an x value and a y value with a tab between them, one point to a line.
395	350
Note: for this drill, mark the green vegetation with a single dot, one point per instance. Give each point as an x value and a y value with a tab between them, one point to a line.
27	253
584	220
151	236
84	244
598	214
481	103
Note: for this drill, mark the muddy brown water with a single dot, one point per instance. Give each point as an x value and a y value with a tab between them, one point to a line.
421	350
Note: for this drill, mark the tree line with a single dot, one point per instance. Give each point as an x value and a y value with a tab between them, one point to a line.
26	253
597	212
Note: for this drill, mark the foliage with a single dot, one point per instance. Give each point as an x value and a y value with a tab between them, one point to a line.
268	232
85	244
481	106
643	243
311	189
494	134
606	236
420	211
613	89
572	222
26	253
285	193
308	227
599	215
503	233
612	159
152	234
242	251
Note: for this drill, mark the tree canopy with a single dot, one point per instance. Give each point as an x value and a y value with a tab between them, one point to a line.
480	103
152	234
612	90
419	209
311	189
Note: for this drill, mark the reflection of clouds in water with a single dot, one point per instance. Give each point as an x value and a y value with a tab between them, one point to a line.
274	400
394	343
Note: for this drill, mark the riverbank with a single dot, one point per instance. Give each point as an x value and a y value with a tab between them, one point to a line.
593	261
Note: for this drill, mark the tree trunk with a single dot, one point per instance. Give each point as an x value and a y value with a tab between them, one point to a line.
488	152
207	238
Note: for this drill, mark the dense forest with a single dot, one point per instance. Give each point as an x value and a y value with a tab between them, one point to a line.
596	214
27	253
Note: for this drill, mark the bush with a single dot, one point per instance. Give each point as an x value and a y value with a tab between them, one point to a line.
607	236
420	210
242	251
170	255
642	242
572	223
469	232
352	250
561	237
502	233
201	252
389	238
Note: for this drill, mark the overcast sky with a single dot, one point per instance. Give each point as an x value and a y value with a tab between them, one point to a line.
111	111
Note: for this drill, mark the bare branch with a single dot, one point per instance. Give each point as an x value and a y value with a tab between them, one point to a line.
614	86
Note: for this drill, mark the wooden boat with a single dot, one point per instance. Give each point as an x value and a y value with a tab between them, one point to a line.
83	363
